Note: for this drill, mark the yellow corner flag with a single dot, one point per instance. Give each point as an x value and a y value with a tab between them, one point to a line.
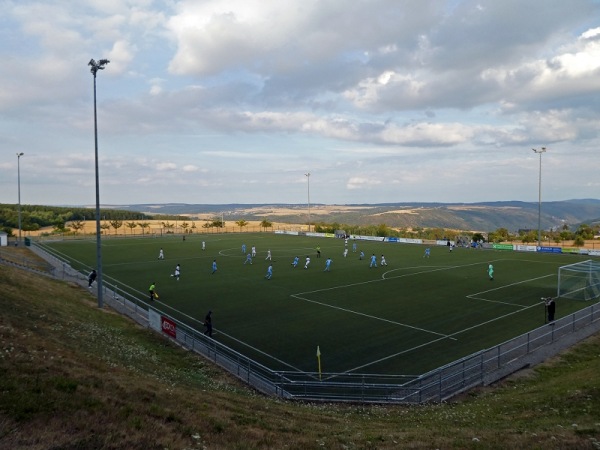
319	361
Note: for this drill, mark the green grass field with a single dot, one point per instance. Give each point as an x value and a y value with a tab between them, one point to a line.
408	317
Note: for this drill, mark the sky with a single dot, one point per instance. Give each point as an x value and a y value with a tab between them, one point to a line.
236	101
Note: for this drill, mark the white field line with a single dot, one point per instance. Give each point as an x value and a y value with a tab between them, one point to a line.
372	317
442	336
475	296
261	352
497	318
162	261
437	340
300	296
229	336
429	271
393	355
238	253
343	286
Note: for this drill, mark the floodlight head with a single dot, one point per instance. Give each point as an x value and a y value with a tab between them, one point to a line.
96	66
20	154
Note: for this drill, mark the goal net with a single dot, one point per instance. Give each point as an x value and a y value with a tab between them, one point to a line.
579	281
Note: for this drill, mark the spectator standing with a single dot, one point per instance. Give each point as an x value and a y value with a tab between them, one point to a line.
91	278
208	324
550	308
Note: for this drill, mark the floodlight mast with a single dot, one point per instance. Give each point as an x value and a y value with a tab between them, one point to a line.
19	191
308	187
539	152
94	68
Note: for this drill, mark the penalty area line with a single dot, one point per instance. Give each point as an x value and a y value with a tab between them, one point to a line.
444	336
497	318
438	339
475	296
394	355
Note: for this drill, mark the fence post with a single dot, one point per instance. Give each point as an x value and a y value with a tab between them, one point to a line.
362	388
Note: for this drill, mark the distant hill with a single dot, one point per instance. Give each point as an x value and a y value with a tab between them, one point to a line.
485	216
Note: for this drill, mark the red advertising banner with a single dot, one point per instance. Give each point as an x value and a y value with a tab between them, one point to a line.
168	327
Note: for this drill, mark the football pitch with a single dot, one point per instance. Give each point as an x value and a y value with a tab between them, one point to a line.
406	318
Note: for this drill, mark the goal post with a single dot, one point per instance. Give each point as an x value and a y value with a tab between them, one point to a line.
579	281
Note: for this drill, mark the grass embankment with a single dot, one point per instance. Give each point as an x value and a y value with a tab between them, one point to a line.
76	377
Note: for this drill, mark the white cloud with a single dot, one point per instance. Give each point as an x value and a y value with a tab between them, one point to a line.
379	98
120	56
361	183
165	166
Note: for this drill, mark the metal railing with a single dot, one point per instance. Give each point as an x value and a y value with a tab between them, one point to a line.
478	369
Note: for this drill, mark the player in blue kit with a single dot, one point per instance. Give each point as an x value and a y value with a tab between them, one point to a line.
373	261
269	272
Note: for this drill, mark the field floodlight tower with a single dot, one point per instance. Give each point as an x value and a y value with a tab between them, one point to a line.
539	152
19	191
95	66
307	175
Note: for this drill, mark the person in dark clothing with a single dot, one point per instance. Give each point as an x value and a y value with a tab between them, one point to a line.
208	324
92	277
550	308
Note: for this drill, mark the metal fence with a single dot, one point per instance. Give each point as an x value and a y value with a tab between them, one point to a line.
479	369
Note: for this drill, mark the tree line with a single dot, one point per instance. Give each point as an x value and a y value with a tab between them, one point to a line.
34	217
383	230
583	233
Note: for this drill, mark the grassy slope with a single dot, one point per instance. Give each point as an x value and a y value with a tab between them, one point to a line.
75	377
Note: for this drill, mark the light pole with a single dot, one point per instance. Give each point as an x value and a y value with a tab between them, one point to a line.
308	186
539	152
19	191
94	68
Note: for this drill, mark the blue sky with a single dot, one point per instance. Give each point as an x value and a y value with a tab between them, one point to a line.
234	101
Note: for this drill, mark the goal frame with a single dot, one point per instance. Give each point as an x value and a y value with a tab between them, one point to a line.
588	276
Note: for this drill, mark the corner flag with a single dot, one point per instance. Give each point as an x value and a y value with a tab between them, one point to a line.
319	361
